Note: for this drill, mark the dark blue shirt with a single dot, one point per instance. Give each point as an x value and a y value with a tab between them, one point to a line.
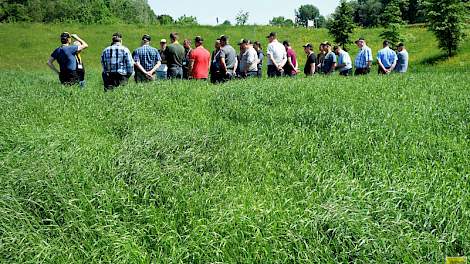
65	56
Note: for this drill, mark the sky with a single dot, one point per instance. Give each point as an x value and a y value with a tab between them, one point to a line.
261	11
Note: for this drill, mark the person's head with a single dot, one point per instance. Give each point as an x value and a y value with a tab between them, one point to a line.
146	39
163	44
117	38
217	44
321	48
243	44
326	46
257	46
198	41
187	44
223	40
337	50
308	48
286	44
400	46
174	37
272	36
386	43
65	38
361	42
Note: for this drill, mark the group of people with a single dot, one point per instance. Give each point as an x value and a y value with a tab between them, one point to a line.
176	61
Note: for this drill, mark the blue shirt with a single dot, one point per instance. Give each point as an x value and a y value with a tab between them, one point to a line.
147	56
65	56
387	56
402	64
117	59
364	55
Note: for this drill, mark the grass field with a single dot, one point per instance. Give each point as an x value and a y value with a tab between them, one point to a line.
322	170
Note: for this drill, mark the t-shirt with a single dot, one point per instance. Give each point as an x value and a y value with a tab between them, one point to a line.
311	59
230	55
163	67
344	58
249	59
328	62
174	54
387	56
65	56
278	52
288	68
402	63
202	59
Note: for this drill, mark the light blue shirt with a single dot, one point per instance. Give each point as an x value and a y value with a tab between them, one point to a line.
402	63
344	58
387	56
364	55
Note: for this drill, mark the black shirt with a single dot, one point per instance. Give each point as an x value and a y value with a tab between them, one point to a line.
308	65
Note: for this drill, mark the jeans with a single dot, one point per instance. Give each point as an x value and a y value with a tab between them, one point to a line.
273	71
175	72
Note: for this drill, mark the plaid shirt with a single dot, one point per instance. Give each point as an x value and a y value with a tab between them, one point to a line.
147	56
117	59
364	55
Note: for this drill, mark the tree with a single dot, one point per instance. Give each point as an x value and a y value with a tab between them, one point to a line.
341	25
227	23
165	20
281	22
392	20
367	12
242	18
306	13
446	19
187	20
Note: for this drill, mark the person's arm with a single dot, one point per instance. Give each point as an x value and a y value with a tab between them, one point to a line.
190	67
313	68
51	65
235	67
379	61
83	45
157	65
369	58
333	65
223	66
129	63
283	62
394	64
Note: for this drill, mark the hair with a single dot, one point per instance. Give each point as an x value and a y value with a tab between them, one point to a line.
401	44
188	41
336	47
174	36
386	43
117	37
257	43
286	43
198	39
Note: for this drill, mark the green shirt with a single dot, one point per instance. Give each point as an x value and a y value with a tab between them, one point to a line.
174	54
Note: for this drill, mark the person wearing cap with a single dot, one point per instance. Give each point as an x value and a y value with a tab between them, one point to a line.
215	63
259	50
163	69
386	58
65	55
277	56
321	57
329	62
227	58
80	66
363	60
402	59
146	61
291	68
187	52
117	63
199	60
344	65
175	54
249	60
311	63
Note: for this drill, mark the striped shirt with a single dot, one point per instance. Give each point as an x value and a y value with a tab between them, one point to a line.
364	55
147	56
117	59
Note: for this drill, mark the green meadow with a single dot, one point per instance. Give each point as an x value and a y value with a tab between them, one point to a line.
371	169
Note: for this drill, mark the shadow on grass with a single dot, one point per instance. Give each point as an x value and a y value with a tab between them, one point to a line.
435	59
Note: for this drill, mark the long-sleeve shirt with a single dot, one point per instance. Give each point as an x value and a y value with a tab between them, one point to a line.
117	59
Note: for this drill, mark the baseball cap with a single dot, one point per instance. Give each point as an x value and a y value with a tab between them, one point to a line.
243	41
146	37
163	41
65	35
198	39
308	45
326	43
223	38
272	34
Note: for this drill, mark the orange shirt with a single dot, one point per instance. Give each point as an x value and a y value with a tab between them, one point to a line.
202	59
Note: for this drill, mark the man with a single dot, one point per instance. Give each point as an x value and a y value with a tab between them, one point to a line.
386	58
320	57
227	58
402	57
187	51
277	56
215	65
249	60
311	63
146	61
199	60
344	65
117	62
174	54
329	63
259	50
65	55
363	60
291	67
163	69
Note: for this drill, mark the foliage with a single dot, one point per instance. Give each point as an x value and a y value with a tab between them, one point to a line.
447	20
341	24
281	21
187	20
306	13
392	33
242	18
391	20
227	23
165	19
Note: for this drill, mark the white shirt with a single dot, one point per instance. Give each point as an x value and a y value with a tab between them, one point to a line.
344	58
249	59
278	52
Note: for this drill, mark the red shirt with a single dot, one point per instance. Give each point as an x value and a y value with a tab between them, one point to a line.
202	59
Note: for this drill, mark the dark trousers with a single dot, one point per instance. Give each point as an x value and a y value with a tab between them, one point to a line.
112	80
346	72
260	73
140	77
221	77
273	71
69	77
382	71
249	74
175	72
362	71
